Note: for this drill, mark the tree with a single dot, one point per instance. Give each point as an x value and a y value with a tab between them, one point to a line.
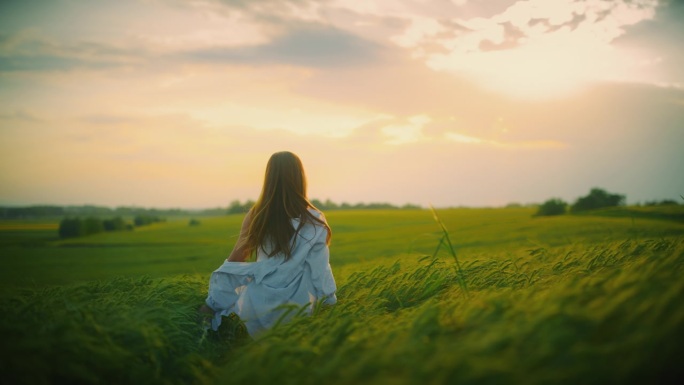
239	208
69	228
91	226
115	224
664	202
235	207
144	220
597	199
410	206
553	206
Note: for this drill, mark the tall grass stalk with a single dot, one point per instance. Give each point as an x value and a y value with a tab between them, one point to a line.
450	245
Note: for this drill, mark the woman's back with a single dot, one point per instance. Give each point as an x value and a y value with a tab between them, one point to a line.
254	290
290	238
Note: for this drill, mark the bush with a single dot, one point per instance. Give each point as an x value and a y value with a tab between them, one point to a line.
194	222
597	199
69	228
239	208
553	206
91	226
77	227
143	220
664	202
115	224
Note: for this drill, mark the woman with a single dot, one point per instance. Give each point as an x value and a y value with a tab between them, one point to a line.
290	238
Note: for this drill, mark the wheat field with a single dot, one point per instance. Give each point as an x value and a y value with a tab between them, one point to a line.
514	299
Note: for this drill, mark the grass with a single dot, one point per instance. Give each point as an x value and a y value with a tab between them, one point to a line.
572	299
594	318
670	213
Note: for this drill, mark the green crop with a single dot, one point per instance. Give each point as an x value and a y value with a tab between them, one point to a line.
473	296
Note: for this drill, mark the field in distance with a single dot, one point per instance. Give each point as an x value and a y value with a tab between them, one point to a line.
32	253
568	299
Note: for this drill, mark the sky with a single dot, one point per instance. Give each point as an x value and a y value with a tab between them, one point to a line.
171	103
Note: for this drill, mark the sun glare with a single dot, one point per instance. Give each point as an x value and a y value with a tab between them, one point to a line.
546	69
514	54
331	122
540	71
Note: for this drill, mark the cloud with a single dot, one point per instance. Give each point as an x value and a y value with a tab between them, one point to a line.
310	45
409	130
20	115
546	24
272	7
658	42
108	119
510	38
534	48
392	131
460	138
305	45
179	160
535	144
30	50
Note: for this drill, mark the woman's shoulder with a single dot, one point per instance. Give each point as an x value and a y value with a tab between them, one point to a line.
318	214
314	222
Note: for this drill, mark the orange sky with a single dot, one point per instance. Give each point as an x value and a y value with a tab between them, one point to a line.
172	103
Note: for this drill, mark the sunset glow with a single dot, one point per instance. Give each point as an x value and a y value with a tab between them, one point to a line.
180	104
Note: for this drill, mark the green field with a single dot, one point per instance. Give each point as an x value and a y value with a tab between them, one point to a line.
571	299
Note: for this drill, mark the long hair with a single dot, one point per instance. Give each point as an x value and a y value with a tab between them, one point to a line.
283	197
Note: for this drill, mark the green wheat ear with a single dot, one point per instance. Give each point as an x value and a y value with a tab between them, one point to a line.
445	237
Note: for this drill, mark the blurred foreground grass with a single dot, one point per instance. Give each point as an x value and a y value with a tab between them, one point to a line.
551	300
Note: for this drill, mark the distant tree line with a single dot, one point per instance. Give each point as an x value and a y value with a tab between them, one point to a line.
78	227
31	212
515	205
664	202
596	199
236	207
330	205
144	220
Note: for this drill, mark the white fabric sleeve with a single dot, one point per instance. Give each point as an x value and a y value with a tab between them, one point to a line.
322	278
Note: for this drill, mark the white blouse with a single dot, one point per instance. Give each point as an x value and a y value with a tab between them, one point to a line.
255	290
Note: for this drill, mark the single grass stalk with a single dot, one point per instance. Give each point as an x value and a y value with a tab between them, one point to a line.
445	237
439	246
